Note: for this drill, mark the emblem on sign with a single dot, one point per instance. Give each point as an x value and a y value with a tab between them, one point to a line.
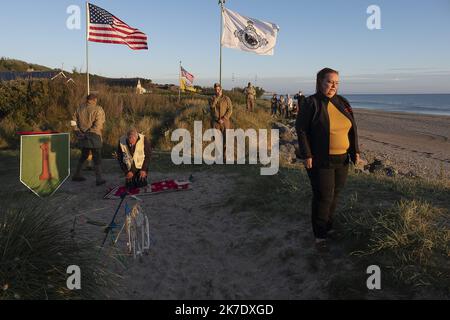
44	162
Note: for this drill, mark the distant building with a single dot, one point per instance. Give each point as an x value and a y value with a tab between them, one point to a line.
140	89
123	82
31	75
132	83
64	77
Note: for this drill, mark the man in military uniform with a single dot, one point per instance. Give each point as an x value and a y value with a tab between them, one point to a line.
250	92
221	111
274	105
88	122
281	105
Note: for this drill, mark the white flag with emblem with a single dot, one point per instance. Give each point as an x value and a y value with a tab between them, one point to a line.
248	34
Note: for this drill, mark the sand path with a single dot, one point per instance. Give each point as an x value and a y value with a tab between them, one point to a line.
203	250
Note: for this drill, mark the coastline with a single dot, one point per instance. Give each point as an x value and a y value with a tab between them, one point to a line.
396	143
410	142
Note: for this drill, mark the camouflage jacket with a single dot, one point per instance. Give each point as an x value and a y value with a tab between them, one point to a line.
221	107
250	92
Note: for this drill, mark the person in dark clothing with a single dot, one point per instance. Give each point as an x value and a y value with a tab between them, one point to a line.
134	153
328	141
300	100
274	105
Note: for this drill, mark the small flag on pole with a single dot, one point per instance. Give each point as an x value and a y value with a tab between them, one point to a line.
248	34
106	28
187	75
187	81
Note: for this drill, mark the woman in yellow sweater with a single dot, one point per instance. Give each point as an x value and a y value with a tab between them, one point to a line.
328	141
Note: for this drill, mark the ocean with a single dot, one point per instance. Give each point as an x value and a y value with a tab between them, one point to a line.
433	104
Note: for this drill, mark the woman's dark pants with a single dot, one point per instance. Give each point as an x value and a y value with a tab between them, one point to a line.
326	184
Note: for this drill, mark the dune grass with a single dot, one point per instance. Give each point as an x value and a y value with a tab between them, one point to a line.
36	249
403	224
49	105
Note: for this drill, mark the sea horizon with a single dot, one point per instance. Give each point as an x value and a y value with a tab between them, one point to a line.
417	103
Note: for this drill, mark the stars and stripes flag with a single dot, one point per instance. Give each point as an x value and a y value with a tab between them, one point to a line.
106	28
186	81
184	74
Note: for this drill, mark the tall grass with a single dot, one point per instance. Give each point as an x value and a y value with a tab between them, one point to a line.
49	105
411	238
35	251
403	224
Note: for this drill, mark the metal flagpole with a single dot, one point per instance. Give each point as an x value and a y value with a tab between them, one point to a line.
179	85
87	47
221	2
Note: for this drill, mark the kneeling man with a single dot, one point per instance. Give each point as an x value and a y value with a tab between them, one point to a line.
134	154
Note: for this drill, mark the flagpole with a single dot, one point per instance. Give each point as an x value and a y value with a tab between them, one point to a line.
179	84
87	48
221	2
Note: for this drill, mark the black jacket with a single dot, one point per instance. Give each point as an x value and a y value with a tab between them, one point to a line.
313	128
300	100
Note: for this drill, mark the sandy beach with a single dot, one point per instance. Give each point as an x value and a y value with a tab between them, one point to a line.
409	142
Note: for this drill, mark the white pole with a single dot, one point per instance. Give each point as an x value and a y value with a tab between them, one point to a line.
221	35
87	47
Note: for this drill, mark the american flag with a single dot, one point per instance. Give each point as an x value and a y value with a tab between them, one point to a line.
187	75
106	28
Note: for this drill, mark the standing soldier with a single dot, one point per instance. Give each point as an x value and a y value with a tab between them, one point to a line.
250	92
221	111
274	105
281	105
88	122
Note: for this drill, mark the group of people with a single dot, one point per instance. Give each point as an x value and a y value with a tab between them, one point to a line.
327	137
286	106
133	151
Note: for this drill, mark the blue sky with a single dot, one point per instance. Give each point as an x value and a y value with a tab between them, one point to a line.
410	54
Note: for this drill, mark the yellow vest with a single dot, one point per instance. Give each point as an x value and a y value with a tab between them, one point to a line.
139	153
340	126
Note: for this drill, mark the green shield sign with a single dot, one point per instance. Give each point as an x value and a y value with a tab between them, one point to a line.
44	162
